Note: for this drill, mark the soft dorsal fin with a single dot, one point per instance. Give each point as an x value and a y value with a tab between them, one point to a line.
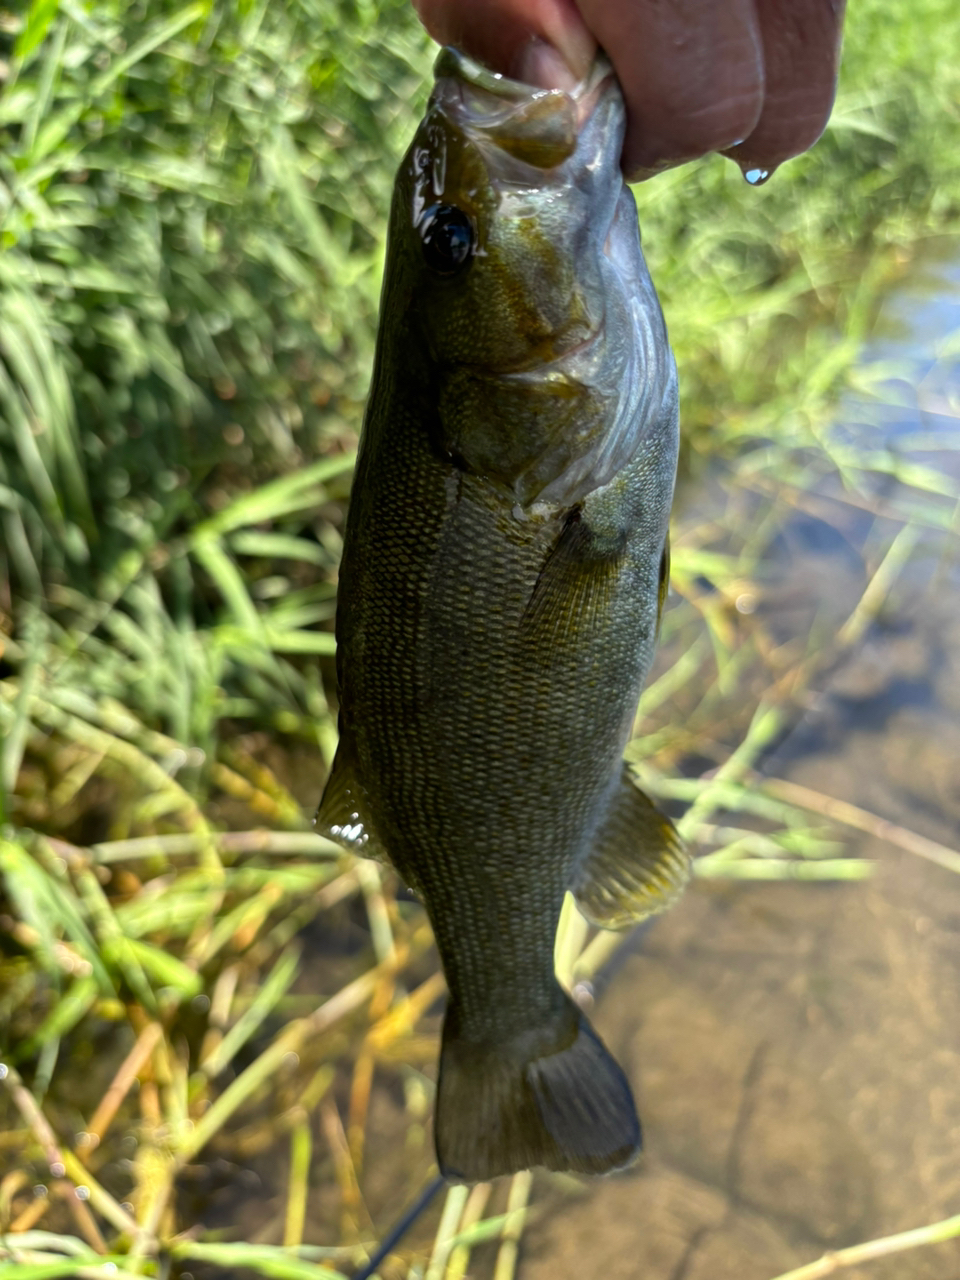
344	814
637	865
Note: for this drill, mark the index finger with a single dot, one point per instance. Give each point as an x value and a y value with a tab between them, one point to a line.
801	54
691	72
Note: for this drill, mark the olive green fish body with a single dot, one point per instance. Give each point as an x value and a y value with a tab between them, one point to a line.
503	571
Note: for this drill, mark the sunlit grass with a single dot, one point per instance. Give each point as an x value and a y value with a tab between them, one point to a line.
192	205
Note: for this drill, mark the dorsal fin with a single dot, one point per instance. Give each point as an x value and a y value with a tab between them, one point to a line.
637	866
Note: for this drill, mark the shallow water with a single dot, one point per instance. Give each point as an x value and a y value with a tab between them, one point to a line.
796	1048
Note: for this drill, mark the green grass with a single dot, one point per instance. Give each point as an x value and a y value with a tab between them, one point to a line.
192	208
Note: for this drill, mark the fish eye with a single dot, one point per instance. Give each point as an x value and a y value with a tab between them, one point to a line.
447	236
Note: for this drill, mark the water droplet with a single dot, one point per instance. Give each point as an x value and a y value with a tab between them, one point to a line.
746	602
83	1193
40	1191
756	177
4	1069
57	1169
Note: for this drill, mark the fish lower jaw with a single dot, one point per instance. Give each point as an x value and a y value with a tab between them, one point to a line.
556	369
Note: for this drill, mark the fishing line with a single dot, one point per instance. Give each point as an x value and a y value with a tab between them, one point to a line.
402	1227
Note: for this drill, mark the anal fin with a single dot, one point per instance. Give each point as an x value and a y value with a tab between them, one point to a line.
637	866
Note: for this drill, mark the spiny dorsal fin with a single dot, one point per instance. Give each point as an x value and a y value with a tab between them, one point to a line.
637	866
343	814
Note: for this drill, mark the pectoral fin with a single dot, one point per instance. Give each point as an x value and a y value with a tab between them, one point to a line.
576	584
637	866
343	815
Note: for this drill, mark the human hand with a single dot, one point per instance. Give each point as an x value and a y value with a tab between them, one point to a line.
754	79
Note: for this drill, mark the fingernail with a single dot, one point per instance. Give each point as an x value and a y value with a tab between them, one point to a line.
538	63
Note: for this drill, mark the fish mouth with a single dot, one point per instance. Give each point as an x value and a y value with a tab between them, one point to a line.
538	127
544	150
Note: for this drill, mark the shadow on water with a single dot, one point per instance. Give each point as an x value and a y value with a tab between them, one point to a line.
796	1048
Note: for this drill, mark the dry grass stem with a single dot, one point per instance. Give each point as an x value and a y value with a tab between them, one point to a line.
506	1264
831	1263
861	820
120	1086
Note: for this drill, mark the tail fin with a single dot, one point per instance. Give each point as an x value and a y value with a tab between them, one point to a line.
551	1096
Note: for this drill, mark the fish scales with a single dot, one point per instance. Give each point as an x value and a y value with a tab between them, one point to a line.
500	591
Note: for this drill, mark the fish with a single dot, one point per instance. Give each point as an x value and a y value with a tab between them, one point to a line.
503	576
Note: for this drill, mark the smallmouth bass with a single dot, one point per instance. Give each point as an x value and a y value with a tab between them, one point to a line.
504	569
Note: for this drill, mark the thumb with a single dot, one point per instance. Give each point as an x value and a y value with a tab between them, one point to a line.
544	42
